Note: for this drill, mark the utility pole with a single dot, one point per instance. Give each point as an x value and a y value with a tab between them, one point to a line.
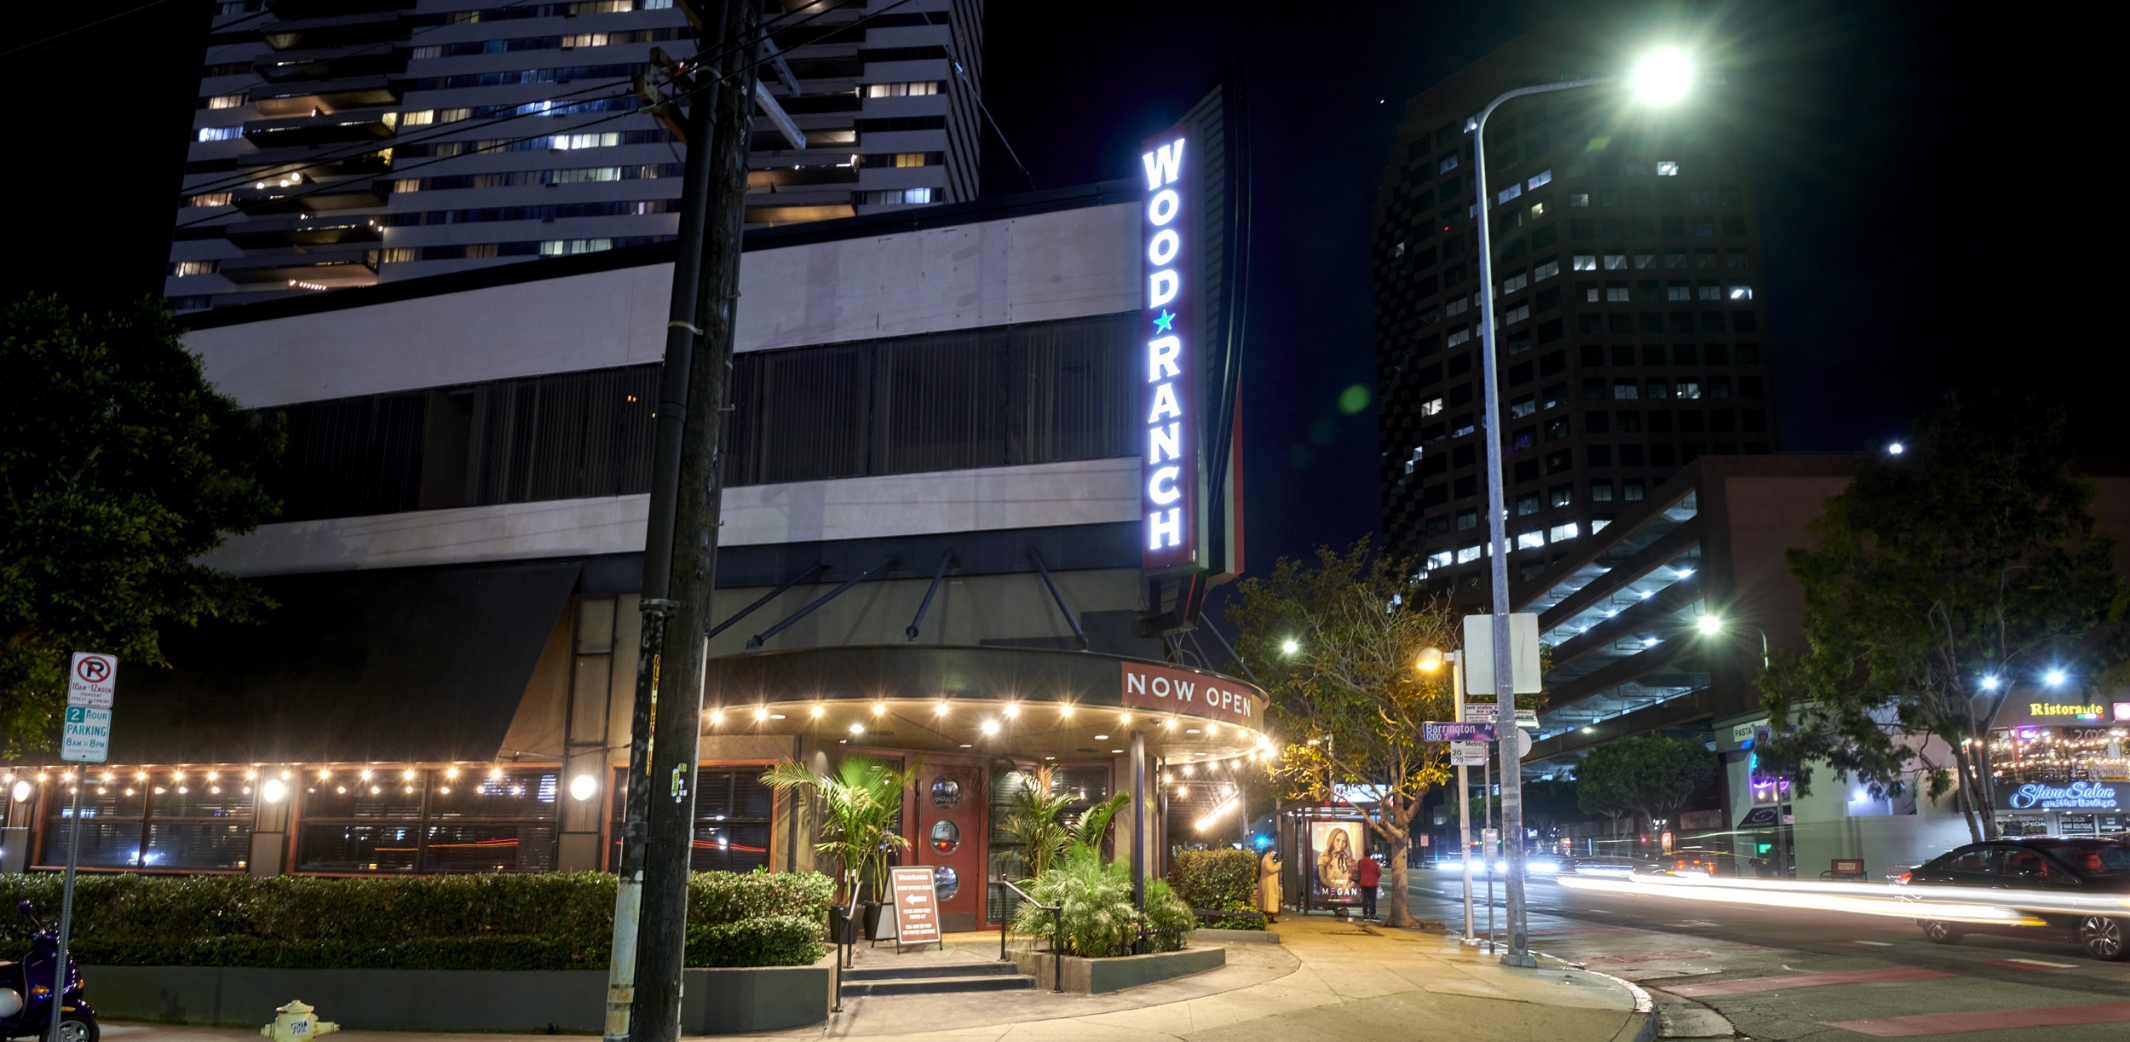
680	547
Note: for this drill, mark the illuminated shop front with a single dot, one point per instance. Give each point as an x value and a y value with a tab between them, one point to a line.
2060	764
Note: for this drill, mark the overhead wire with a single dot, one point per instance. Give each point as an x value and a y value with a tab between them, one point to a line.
704	85
463	126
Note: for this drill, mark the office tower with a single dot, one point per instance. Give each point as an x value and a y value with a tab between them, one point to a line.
1629	337
350	142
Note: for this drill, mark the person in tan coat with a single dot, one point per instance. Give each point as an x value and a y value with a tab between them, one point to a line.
1268	895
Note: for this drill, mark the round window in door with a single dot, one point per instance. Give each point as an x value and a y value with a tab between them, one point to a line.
946	793
946	882
946	837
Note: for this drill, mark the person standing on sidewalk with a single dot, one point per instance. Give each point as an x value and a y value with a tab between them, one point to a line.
1366	874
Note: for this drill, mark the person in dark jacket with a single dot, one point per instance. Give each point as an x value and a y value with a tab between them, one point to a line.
1366	874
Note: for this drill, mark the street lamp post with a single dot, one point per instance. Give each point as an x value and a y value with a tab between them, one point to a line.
1662	77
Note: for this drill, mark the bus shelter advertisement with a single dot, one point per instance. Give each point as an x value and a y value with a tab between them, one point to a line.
1334	851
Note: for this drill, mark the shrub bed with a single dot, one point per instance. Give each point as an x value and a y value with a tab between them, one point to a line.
1219	881
546	921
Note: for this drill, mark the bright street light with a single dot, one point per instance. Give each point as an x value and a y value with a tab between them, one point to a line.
1289	646
1663	77
1896	449
1709	624
2054	677
1989	683
1430	660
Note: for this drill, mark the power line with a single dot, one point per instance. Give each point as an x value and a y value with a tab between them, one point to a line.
35	45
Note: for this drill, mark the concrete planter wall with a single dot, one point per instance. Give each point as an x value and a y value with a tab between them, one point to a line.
1096	976
713	1001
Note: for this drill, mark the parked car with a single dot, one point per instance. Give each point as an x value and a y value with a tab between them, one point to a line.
2053	863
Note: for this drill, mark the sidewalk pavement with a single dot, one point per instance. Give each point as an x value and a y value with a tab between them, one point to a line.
1328	979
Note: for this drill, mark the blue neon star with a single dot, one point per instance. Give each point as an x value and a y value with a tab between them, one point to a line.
1164	321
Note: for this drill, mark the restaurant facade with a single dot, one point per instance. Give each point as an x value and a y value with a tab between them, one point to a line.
934	550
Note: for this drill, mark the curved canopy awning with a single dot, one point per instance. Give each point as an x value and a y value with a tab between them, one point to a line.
1020	702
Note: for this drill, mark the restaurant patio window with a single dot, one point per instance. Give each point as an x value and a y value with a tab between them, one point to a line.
156	820
1087	784
733	816
409	820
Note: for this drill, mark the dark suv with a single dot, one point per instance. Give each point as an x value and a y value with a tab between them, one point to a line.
2051	863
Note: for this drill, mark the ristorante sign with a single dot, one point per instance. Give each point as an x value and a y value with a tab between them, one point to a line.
2078	795
1169	466
1164	689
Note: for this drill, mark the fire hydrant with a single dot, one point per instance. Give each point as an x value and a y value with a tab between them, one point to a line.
296	1022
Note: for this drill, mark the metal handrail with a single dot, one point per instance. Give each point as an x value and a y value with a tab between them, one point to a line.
843	947
1057	931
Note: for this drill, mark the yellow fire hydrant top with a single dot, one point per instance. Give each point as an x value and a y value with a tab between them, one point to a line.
296	1022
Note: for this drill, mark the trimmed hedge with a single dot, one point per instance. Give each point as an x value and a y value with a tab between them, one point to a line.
544	921
1219	881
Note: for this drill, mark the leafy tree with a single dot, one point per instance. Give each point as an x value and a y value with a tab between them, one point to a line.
1348	699
119	467
1972	554
1551	806
1651	774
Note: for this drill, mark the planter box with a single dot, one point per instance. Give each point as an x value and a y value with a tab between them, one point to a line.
714	1001
1097	976
1236	936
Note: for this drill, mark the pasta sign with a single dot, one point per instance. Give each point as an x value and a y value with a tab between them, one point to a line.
1169	471
1166	689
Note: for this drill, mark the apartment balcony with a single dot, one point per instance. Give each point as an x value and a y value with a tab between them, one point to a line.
334	29
331	268
309	131
324	97
308	196
761	182
328	64
305	230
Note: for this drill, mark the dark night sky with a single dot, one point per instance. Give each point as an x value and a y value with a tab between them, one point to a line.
1919	218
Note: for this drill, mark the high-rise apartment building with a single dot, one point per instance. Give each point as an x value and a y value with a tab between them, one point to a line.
1629	337
350	142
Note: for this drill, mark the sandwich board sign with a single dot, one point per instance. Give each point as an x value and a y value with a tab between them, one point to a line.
916	905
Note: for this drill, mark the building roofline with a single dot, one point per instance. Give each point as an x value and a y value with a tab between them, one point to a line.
922	218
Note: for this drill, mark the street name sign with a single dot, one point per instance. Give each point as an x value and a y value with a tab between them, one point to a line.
91	679
88	735
1438	731
1490	712
1469	754
916	905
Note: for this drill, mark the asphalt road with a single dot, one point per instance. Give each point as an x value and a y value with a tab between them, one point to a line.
1783	974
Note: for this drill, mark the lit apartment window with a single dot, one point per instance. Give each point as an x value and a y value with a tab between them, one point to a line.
570	43
1513	283
1689	388
917	159
1517	314
1561	495
1431	407
566	247
1440	560
1626	389
1543	177
1667	168
1563	532
1615	262
567	142
898	195
608	6
1545	271
209	199
1585	262
420	118
1741	291
1530	540
406	184
1459	335
184	268
1508	193
1522	407
399	255
431	51
1463	428
1467	554
904	90
220	133
1448	164
225	101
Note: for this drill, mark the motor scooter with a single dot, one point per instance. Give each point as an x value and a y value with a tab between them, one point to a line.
26	991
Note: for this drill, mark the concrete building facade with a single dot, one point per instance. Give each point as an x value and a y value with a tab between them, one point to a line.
342	144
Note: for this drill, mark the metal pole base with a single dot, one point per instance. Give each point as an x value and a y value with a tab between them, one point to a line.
1520	960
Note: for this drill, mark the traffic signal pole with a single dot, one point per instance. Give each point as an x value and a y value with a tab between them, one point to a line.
681	540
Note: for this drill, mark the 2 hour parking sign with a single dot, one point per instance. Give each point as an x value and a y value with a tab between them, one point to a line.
88	735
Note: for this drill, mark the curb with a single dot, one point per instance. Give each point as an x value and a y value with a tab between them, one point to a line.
1643	1004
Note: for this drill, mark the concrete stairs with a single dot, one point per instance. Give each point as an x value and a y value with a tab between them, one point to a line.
935	979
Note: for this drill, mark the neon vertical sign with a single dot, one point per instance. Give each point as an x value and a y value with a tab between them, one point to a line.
1169	466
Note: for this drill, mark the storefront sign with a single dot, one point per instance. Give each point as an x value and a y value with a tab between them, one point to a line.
916	905
1334	851
1169	469
1168	690
2078	795
2042	712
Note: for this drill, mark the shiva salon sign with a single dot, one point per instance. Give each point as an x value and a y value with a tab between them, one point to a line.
2078	795
1165	689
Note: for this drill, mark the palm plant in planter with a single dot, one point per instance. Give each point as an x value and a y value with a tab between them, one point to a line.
861	805
1096	918
1035	817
